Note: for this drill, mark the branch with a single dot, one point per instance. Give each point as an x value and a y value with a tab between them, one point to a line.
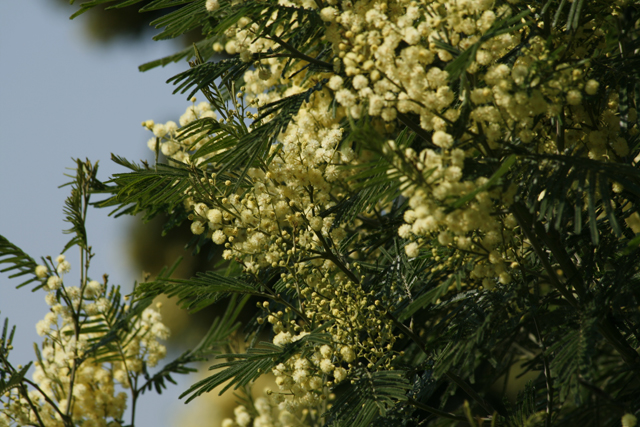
25	394
406	120
435	411
333	258
297	54
471	392
547	375
65	418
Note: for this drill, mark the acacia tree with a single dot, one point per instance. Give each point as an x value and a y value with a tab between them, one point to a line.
423	195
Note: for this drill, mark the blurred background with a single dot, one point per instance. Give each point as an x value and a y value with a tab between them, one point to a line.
72	89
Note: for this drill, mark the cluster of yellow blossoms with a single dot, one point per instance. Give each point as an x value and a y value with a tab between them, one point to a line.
266	414
277	223
391	62
71	382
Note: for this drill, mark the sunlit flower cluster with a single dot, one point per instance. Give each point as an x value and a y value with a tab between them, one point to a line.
264	413
167	140
72	379
391	60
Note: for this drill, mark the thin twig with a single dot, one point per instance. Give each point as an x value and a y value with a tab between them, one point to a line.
470	391
406	120
547	375
526	224
601	393
25	394
333	258
297	54
47	399
276	297
435	411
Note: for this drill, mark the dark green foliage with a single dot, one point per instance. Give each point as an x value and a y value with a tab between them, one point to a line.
203	46
75	206
523	412
18	261
555	187
457	67
112	331
14	380
203	75
254	146
369	398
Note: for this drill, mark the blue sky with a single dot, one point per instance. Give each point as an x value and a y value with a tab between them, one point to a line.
63	97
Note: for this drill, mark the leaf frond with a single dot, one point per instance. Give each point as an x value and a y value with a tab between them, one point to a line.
20	264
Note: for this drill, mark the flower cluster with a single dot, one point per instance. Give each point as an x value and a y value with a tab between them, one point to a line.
71	379
278	223
390	61
355	320
394	59
264	413
168	140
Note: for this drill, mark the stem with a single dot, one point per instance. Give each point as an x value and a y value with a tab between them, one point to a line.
134	400
601	393
470	391
547	375
435	411
276	297
526	223
297	54
406	120
85	176
560	131
130	377
25	394
281	300
329	255
64	417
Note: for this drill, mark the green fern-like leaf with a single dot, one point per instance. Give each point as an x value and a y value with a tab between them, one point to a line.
145	190
15	378
525	408
243	368
86	6
255	144
203	46
566	363
20	264
463	59
203	75
76	204
370	396
199	292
